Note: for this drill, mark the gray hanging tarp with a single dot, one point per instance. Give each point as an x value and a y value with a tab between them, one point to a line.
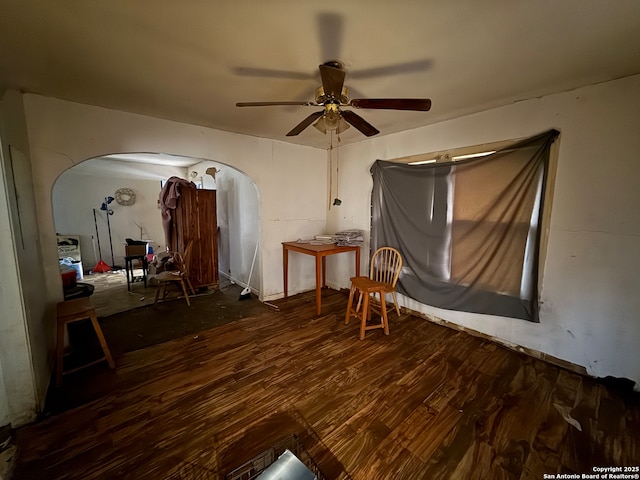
467	230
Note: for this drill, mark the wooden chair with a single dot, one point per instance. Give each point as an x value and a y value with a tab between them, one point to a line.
179	276
73	311
386	264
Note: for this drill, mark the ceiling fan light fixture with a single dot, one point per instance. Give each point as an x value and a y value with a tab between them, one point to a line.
342	126
320	125
325	125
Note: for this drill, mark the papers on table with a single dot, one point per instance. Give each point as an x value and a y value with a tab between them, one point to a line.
345	237
349	237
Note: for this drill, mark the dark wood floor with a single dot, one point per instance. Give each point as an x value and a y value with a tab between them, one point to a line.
425	402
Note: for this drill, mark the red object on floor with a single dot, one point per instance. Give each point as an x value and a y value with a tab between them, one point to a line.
68	279
101	267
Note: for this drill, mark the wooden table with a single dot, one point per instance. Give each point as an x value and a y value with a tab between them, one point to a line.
320	252
128	266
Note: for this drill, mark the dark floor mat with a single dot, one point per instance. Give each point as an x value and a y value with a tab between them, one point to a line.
153	324
140	328
150	325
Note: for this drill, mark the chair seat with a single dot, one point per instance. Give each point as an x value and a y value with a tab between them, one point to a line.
77	309
365	284
168	276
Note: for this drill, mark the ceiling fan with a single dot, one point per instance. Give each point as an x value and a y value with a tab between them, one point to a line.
333	95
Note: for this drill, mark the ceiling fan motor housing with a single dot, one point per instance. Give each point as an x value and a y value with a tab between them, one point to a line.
322	98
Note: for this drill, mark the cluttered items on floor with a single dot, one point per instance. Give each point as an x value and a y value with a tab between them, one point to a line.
71	272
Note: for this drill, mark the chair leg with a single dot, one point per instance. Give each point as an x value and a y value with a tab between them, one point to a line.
103	342
359	302
347	316
395	302
365	314
193	291
383	314
157	294
184	290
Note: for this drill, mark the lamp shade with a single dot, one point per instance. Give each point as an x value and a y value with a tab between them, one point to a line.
326	125
107	201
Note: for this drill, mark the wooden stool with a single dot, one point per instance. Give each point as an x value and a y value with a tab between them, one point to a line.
73	311
367	287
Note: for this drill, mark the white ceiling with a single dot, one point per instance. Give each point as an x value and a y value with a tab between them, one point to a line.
140	166
192	61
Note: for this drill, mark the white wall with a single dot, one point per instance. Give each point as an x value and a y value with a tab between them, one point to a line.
14	366
25	330
238	214
291	178
76	195
590	305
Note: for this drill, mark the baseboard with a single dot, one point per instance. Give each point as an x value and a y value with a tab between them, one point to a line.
238	282
558	362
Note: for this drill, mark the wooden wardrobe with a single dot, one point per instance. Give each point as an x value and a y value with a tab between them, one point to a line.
194	219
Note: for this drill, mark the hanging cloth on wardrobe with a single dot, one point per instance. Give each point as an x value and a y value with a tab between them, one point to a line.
168	201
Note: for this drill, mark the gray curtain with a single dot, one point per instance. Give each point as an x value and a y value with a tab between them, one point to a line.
467	230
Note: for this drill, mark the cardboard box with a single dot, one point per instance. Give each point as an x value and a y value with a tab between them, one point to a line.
131	250
69	246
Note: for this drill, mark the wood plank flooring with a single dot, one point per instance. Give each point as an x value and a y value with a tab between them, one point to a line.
425	402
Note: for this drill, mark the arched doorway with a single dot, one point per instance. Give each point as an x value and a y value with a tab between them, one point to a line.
79	193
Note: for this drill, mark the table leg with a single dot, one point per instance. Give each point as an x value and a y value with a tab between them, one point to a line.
358	262
318	283
145	270
285	268
324	271
127	266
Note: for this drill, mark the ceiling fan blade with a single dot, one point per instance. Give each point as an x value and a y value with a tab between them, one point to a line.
305	123
395	69
360	123
419	104
270	73
271	104
332	80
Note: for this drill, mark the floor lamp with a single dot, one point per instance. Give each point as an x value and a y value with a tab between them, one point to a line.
101	266
105	207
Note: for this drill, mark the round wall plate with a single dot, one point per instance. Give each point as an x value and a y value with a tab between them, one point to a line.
125	196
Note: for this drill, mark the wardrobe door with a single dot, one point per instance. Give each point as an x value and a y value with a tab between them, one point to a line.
196	222
205	271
